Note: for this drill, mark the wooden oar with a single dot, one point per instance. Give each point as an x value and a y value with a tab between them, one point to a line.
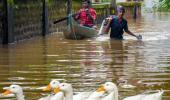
65	18
101	30
60	20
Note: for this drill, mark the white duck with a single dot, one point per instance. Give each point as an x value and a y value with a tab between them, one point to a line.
112	91
107	87
67	89
15	89
154	96
52	85
57	95
97	95
112	88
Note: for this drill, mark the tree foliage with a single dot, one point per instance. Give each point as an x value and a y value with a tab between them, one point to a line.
164	5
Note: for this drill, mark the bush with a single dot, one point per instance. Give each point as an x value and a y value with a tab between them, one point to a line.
164	5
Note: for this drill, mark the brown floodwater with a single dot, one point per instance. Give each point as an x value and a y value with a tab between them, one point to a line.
88	63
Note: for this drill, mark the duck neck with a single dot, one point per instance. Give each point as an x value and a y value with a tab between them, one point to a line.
69	94
20	96
116	93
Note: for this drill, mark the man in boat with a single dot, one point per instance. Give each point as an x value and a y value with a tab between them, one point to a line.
86	16
118	25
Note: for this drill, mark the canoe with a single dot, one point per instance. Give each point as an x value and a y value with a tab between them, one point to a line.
75	31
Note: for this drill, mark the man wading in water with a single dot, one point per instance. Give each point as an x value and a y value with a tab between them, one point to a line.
118	25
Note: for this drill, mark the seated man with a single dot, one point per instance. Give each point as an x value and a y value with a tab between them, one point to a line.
86	15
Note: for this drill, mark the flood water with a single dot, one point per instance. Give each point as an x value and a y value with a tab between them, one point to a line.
88	63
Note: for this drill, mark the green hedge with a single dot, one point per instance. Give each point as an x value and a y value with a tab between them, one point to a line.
101	5
129	4
125	4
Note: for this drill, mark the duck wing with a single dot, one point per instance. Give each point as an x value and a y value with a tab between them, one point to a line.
109	97
58	96
136	97
81	96
154	96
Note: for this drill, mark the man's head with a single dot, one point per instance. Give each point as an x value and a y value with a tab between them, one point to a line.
120	11
86	3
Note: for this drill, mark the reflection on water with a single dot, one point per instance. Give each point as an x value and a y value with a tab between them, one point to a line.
88	63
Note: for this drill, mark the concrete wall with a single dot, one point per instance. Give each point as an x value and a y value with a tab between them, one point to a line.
121	0
27	17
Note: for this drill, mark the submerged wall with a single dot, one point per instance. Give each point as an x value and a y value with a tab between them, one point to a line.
25	18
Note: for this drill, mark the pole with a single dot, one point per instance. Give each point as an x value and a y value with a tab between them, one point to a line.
135	9
69	8
45	18
113	7
8	22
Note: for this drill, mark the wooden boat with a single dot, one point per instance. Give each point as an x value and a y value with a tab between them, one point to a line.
75	31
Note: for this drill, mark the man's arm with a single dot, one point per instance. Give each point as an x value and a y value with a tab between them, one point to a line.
76	16
130	33
126	29
107	27
91	14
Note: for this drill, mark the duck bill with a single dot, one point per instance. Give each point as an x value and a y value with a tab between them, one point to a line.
7	92
56	90
101	89
48	88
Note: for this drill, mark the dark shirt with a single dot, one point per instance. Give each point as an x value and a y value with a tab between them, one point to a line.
118	27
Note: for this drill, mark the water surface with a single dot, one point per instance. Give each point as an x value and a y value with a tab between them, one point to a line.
88	63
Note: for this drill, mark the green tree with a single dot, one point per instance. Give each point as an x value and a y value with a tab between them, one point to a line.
164	5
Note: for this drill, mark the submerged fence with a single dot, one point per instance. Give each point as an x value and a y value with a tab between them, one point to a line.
21	19
27	18
1	28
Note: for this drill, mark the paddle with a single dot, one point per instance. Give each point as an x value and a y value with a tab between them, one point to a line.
101	28
65	18
60	20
